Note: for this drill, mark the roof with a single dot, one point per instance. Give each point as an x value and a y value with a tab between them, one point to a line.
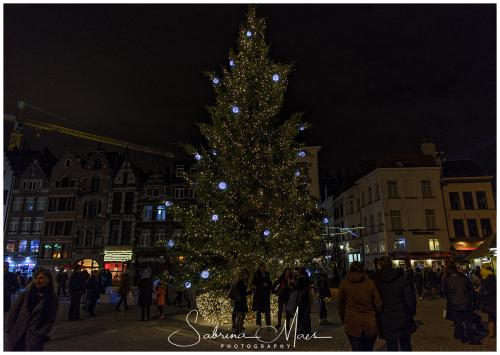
461	168
19	160
404	160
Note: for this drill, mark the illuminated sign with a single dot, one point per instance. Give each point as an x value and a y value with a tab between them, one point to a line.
117	255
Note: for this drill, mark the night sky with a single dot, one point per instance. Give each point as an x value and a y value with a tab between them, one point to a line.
370	78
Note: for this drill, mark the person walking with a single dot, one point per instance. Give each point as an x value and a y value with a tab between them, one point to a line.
241	305
62	279
77	286
399	307
33	315
262	294
358	304
459	295
145	296
282	290
93	292
161	293
323	289
10	286
419	282
488	296
123	290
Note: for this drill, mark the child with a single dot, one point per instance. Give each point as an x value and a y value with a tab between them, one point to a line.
161	293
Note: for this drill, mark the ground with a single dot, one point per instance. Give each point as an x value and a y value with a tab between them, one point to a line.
123	331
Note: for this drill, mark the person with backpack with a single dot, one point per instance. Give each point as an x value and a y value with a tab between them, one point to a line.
399	307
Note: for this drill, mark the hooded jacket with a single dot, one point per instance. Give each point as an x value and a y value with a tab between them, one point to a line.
488	291
399	304
459	292
358	304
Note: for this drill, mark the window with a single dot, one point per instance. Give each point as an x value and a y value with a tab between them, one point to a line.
37	226
94	184
486	227
426	188
468	202
455	201
26	225
129	202
458	225
23	245
472	227
67	163
148	213
88	239
145	240
29	204
396	220
392	187
369	195
191	195
377	192
155	192
114	237
14	225
434	244
30	185
179	193
34	246
482	202
10	246
372	224
430	219
400	245
18	204
381	246
159	238
92	208
117	202
193	170
179	170
41	203
161	213
126	232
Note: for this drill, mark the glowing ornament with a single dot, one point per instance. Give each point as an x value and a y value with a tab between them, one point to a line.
231	63
325	220
222	185
266	232
249	34
170	243
168	203
187	284
205	274
308	272
215	81
197	156
297	172
301	154
235	109
302	127
276	77
215	217
214	152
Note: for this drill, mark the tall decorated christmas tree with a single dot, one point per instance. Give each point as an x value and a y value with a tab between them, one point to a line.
252	195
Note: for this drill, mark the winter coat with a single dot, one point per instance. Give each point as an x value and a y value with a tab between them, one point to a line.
240	297
124	287
145	292
10	283
459	293
282	289
302	286
488	294
62	278
77	282
93	288
419	280
358	304
409	276
399	304
21	322
323	287
262	293
433	279
161	292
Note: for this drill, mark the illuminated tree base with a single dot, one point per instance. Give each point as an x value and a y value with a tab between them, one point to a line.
215	307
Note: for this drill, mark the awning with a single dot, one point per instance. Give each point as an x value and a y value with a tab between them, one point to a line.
484	249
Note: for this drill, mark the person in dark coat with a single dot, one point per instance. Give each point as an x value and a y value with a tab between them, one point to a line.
433	282
145	296
240	300
262	294
419	282
399	307
10	285
459	295
281	288
488	296
123	290
323	290
93	291
33	315
62	279
76	289
304	301
358	304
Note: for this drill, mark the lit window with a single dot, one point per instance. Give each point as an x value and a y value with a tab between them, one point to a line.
396	220
10	246
23	245
29	204
161	213
430	219
434	244
426	188
400	245
34	246
148	213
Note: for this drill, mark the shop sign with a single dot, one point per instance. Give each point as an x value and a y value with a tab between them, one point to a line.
117	255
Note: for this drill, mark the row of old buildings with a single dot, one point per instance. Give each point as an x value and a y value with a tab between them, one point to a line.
414	206
101	211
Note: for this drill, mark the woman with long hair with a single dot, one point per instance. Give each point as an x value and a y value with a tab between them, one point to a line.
241	305
33	315
280	287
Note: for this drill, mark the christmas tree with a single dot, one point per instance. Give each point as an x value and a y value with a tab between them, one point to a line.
252	195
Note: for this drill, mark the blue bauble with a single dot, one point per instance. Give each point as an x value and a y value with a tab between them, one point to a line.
222	185
302	127
168	203
187	284
301	154
214	152
297	172
249	34
205	274
215	81
170	243
235	109
325	220
231	63
215	217
276	77
266	232
197	157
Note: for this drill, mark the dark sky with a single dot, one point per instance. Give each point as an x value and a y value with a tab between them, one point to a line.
370	78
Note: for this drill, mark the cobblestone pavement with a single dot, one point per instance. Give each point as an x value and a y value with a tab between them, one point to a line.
115	331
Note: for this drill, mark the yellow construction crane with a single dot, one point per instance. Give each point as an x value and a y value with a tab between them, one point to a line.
19	123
